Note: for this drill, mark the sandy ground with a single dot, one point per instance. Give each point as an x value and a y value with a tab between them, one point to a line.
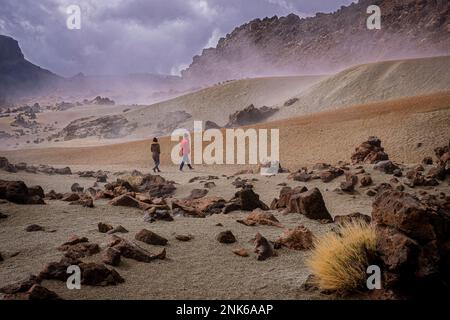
328	136
200	269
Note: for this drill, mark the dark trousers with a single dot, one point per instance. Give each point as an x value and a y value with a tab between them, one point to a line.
156	161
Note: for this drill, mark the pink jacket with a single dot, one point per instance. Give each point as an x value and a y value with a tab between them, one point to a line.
185	150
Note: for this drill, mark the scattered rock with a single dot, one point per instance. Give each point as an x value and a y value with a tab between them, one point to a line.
369	151
299	238
183	238
242	252
199	208
111	256
226	237
17	192
153	215
351	218
150	237
128	201
386	166
209	185
350	182
197	194
33	228
36	292
250	115
104	227
94	274
330	174
53	195
311	204
246	200
366	180
131	251
118	229
76	188
413	239
263	248
260	217
70	197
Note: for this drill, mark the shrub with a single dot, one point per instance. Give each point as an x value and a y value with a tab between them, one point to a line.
339	262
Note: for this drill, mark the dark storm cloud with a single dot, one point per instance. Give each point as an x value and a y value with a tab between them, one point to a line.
134	36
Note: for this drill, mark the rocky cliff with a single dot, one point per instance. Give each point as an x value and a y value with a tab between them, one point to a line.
326	43
17	75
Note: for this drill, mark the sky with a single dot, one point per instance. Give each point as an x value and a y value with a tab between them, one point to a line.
134	36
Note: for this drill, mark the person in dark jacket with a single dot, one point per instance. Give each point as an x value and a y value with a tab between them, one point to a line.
156	151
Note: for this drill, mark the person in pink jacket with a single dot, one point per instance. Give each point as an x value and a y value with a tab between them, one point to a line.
184	151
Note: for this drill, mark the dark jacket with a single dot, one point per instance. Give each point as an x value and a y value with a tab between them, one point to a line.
156	150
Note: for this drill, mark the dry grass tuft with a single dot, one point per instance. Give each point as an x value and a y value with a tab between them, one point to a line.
340	262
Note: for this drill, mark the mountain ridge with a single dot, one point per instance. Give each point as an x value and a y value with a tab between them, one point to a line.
326	43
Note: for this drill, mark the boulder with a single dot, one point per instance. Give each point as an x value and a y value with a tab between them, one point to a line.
34	228
263	248
183	238
352	218
104	227
413	241
250	115
199	208
76	188
131	251
128	201
246	200
70	197
111	256
118	229
21	286
386	166
17	192
153	215
242	252
330	174
197	194
259	217
36	292
369	151
301	176
53	195
298	238
226	237
350	182
311	204
150	237
366	180
95	274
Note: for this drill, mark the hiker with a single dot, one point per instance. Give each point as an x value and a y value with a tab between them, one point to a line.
156	151
184	152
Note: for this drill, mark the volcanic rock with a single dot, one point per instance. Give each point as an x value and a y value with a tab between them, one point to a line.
226	237
263	247
299	238
150	237
259	217
369	151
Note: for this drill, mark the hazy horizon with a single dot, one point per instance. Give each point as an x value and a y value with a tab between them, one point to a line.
162	36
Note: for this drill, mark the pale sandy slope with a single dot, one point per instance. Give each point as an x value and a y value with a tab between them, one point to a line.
216	103
373	82
329	136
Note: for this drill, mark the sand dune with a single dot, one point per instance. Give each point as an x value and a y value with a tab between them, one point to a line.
327	136
373	82
216	103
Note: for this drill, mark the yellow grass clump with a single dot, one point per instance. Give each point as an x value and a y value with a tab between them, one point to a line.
340	262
